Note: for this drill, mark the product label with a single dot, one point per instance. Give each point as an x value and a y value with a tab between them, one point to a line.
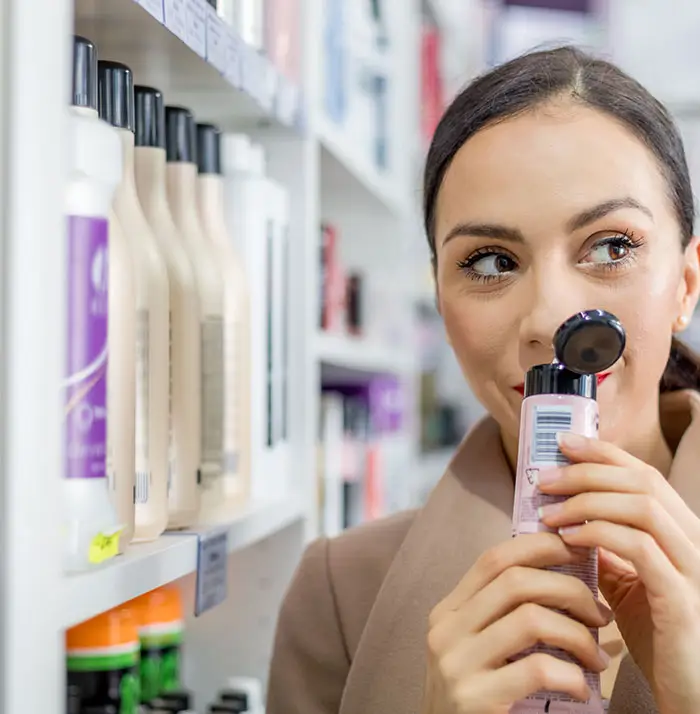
142	486
105	678
160	659
172	456
85	384
233	344
212	392
543	417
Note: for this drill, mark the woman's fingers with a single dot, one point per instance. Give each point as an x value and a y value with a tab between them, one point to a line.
530	624
656	571
636	510
601	466
536	550
519	585
527	676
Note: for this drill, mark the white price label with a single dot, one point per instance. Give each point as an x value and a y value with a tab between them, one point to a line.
287	107
216	41
252	74
270	81
154	7
176	18
197	26
212	570
234	69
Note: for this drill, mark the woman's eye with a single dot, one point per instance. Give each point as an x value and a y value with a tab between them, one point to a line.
493	264
609	251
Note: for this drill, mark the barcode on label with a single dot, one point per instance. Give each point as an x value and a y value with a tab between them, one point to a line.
141	487
549	421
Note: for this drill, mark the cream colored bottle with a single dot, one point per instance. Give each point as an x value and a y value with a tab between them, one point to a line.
121	380
152	316
185	348
237	438
181	181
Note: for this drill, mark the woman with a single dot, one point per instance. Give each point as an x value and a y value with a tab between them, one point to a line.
554	183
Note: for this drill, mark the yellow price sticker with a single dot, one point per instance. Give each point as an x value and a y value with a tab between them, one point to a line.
103	547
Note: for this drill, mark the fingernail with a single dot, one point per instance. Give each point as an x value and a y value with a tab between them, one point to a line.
569	530
549	510
572	441
604	657
548	476
607	614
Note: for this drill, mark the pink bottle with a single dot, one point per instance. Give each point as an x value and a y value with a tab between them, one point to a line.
561	397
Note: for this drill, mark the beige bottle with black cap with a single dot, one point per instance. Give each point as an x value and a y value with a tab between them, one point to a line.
237	440
185	365
149	495
181	182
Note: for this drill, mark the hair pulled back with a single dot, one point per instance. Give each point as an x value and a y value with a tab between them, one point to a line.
531	80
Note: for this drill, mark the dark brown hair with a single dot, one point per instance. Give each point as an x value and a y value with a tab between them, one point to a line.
532	79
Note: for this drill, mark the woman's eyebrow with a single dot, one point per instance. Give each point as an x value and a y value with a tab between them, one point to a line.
580	220
590	215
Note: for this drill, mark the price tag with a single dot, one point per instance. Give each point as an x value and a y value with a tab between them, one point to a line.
216	41
250	67
103	547
197	26
175	12
287	104
212	570
269	77
154	7
234	69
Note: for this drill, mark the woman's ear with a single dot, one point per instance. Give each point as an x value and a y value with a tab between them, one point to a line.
689	288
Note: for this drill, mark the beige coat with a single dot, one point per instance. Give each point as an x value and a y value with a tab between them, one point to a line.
351	633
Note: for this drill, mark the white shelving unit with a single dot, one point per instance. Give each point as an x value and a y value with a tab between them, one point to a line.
183	48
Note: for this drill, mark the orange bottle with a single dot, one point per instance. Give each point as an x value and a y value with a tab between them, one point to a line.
103	662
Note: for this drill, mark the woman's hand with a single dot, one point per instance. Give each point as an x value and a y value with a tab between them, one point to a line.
501	608
649	559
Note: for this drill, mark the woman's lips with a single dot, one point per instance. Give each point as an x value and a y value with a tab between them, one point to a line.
520	388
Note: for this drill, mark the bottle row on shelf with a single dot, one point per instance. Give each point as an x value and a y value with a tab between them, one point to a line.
253	44
355	453
176	339
129	660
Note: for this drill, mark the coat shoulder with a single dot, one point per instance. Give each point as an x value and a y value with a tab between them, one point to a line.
324	614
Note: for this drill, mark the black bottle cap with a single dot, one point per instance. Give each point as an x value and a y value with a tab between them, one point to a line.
84	73
556	379
150	117
116	94
180	144
178	698
208	149
227	708
590	342
235	696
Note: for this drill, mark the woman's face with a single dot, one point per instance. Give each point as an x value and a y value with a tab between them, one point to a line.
558	210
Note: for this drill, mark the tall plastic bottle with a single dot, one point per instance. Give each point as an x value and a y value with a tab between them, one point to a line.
185	347
237	440
94	269
561	397
181	181
116	100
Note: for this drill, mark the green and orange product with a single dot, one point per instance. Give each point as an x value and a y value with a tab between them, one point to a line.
161	626
103	662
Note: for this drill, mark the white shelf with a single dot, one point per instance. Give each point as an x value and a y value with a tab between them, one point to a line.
147	566
342	162
360	355
185	49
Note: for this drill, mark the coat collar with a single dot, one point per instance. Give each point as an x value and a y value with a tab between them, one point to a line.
468	512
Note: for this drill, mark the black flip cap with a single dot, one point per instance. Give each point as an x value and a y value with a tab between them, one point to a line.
84	73
557	379
150	117
179	699
116	94
235	696
227	708
180	135
208	149
590	342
